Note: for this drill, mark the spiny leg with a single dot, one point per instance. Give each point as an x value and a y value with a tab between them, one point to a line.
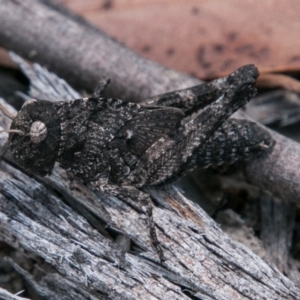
140	202
169	156
196	97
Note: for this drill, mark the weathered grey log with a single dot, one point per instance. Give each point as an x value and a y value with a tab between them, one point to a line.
80	263
82	55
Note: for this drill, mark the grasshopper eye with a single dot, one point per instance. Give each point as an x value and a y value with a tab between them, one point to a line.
38	132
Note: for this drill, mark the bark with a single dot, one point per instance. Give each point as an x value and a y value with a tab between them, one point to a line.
75	261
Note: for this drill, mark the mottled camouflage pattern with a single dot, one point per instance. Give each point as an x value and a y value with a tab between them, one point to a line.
110	143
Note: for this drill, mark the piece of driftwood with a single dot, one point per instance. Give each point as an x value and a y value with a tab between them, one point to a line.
202	262
82	55
76	262
73	260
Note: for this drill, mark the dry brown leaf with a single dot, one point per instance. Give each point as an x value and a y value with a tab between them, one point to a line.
206	38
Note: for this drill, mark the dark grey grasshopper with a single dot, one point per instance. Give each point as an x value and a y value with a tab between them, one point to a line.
112	144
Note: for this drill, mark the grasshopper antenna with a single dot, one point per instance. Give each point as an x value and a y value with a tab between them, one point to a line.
12	130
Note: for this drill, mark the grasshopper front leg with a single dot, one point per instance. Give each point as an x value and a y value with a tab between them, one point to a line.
139	201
